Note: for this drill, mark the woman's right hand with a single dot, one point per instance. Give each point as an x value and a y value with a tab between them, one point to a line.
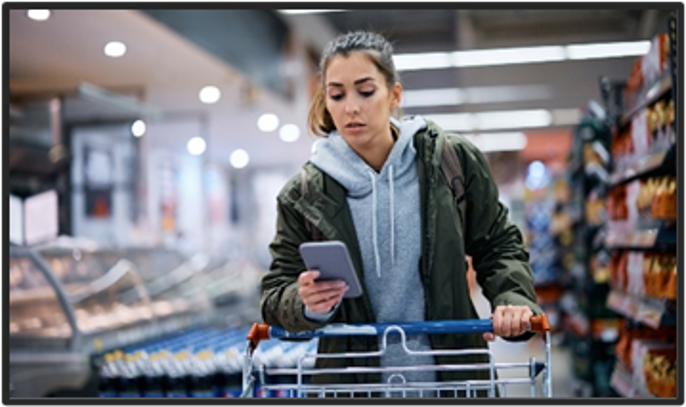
321	296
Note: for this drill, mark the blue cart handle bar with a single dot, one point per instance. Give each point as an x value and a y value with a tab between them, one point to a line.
538	323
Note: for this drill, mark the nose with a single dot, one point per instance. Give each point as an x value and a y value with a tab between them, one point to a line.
352	107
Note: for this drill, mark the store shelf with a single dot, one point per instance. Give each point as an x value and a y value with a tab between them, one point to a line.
652	312
653	163
650	96
641	239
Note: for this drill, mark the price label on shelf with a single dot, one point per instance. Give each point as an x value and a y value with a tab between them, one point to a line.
649	316
652	161
646	238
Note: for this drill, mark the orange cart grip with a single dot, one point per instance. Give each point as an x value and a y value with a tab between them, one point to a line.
539	323
257	333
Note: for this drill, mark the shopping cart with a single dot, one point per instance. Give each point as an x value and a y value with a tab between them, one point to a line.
257	378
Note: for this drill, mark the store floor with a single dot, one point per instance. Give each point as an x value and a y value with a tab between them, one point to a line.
562	380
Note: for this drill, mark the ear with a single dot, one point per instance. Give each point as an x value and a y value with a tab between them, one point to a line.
396	94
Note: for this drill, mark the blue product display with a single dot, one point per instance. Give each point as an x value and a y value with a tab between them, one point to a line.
200	363
542	247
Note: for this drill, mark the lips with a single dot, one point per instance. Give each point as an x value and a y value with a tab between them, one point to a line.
354	125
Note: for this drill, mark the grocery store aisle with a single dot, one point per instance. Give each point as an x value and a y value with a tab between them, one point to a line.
509	352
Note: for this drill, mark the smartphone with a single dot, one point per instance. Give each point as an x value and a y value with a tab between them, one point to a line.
332	260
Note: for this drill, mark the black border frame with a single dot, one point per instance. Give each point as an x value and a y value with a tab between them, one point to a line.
676	6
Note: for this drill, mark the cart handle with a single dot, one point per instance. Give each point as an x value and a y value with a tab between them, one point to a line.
258	332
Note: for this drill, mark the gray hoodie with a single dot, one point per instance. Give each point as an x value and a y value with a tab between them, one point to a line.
386	213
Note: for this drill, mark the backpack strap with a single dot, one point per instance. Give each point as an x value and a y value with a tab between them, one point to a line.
311	229
452	170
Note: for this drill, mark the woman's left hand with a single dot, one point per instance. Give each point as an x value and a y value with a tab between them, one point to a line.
509	320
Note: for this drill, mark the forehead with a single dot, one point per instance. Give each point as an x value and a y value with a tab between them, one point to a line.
355	65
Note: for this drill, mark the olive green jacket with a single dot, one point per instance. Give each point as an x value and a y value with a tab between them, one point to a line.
494	243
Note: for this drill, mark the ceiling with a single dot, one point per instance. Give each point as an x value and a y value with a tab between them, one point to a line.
166	65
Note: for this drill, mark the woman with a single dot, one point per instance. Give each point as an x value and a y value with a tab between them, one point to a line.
375	184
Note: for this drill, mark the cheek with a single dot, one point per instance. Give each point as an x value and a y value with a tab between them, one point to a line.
331	108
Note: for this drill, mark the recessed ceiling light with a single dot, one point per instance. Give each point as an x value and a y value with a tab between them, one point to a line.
210	94
138	128
268	122
115	49
239	158
38	15
289	133
196	145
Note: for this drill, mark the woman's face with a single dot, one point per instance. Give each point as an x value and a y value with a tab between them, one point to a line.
358	99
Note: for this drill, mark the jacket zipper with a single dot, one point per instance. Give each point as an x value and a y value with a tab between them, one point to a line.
427	275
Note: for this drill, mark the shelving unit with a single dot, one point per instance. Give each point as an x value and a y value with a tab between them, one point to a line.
590	327
642	234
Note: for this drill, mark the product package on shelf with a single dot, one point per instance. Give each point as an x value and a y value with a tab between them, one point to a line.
648	70
644	200
654	367
646	355
628	332
644	273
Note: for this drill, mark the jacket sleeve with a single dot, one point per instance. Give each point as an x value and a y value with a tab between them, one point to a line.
499	257
280	302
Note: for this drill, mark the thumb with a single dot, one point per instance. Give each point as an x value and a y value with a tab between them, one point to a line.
489	336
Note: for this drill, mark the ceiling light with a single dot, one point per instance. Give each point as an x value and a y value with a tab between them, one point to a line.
608	50
507	56
196	146
138	128
38	15
289	133
512	119
239	158
268	122
115	49
493	142
431	60
525	55
433	97
209	95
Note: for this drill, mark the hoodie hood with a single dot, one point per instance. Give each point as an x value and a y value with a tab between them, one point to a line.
336	158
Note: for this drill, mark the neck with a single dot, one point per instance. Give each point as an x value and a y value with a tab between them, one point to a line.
376	155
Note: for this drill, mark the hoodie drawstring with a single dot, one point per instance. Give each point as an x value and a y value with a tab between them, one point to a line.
390	185
376	245
374	226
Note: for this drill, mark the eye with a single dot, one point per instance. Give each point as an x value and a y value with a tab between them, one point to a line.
336	97
367	93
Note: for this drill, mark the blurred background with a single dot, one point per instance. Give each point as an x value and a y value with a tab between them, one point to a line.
146	148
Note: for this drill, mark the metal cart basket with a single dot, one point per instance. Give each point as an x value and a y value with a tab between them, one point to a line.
262	381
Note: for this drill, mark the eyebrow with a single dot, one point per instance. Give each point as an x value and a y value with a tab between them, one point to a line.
357	82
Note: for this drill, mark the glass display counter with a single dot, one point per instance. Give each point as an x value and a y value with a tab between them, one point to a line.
44	354
80	303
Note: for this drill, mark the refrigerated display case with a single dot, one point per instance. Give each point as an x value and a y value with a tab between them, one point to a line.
69	305
44	353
